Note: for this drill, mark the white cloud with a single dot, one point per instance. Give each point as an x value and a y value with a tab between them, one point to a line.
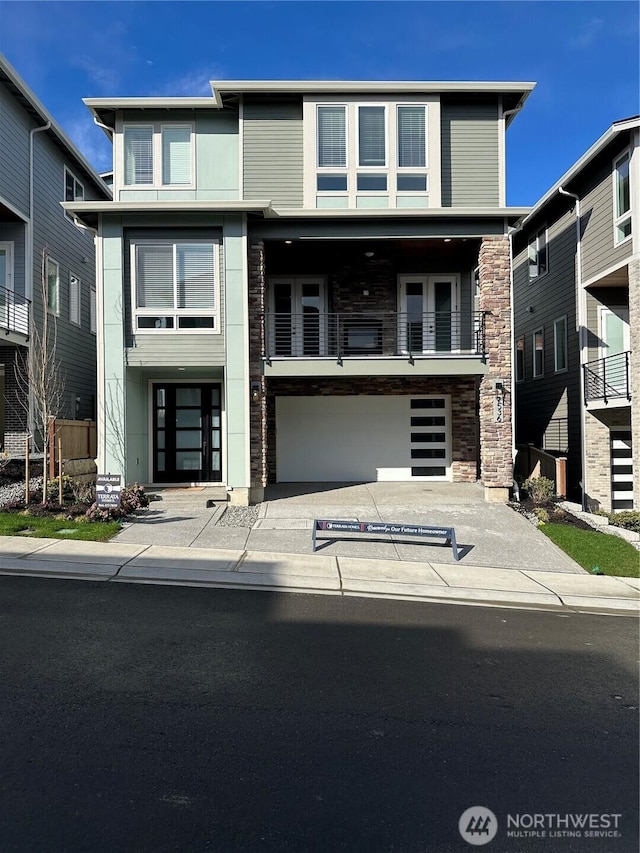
588	35
194	84
90	139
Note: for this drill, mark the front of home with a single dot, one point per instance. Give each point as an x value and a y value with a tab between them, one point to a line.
304	282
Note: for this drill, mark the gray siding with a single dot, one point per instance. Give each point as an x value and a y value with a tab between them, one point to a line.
470	155
273	153
14	232
14	152
548	407
598	249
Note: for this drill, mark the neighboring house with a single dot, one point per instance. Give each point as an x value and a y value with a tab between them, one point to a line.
307	281
40	168
577	322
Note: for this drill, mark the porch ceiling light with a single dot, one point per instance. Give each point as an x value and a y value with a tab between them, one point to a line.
369	254
447	239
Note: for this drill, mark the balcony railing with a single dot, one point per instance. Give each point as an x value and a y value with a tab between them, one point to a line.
608	378
373	334
14	312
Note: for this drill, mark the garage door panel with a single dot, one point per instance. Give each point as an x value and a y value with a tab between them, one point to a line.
360	438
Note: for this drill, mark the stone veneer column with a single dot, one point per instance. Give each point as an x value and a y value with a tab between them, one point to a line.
634	322
258	410
496	456
15	407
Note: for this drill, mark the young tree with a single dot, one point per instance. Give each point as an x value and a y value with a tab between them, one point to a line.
38	372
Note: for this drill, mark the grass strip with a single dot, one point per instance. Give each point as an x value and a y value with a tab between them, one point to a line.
591	548
16	524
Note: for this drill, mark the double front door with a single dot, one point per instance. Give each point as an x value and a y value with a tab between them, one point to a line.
429	318
187	431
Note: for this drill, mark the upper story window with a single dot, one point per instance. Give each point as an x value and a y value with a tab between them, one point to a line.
158	155
520	359
74	299
52	273
174	285
622	199
538	258
538	353
368	154
560	344
73	189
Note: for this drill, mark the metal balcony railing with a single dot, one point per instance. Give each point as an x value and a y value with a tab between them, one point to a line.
373	334
14	312
608	378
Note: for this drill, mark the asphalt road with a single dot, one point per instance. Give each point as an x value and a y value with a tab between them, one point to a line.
149	718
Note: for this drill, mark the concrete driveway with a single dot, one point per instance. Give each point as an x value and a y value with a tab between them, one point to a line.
490	535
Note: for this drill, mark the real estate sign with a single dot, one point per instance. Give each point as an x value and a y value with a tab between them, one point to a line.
108	490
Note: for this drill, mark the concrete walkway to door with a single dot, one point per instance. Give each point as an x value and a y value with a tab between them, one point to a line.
489	535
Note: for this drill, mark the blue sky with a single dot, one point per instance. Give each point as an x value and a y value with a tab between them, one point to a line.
584	57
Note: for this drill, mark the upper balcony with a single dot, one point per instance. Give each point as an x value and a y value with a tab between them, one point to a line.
374	343
14	316
608	380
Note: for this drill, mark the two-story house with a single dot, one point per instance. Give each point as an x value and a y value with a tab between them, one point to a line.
577	321
307	281
47	263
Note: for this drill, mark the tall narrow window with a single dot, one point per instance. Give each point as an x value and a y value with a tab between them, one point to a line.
53	286
176	155
622	199
411	137
332	137
560	344
538	254
371	136
520	359
538	353
138	155
74	299
93	324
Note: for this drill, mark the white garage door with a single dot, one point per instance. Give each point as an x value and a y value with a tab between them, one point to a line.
362	439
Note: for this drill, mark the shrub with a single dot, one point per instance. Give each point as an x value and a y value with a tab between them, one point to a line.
629	519
541	514
541	490
131	498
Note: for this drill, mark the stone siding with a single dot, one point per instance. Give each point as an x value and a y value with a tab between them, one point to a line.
598	426
258	401
496	456
634	322
15	407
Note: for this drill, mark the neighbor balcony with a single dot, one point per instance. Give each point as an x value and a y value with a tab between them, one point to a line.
374	342
14	316
608	379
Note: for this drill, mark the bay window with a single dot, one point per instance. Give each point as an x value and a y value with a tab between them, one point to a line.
175	285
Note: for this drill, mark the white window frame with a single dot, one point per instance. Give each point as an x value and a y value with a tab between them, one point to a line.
49	261
620	219
391	170
157	129
536	374
76	196
77	320
93	315
176	312
556	322
536	242
521	373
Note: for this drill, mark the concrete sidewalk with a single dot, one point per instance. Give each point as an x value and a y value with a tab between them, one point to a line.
116	562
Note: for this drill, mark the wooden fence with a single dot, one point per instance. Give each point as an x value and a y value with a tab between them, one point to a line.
76	438
533	462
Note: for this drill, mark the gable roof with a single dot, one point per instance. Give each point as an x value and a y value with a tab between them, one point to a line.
19	90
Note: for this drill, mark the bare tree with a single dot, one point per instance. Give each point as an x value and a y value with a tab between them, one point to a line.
39	374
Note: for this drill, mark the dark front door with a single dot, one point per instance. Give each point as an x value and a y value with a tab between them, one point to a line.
187	428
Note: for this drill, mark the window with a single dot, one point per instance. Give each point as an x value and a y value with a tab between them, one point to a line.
175	285
520	359
538	254
52	273
367	153
622	199
560	344
92	309
158	155
73	189
74	299
538	353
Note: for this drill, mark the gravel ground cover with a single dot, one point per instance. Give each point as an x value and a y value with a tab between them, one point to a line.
238	516
14	491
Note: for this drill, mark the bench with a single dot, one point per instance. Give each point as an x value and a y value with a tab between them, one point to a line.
328	529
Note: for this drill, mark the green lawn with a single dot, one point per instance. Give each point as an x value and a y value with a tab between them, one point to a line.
591	548
15	524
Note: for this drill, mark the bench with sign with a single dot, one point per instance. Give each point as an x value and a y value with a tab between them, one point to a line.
327	529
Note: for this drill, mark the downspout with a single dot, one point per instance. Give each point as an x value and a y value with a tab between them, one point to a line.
582	340
28	280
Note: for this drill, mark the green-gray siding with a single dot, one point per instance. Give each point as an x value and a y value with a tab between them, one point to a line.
273	153
470	155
